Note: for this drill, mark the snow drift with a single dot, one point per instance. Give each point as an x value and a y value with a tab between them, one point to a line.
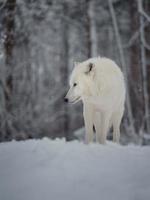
56	170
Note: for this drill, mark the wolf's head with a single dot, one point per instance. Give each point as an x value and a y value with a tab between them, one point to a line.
81	81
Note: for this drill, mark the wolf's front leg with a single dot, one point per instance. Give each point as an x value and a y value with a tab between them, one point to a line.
88	121
105	118
101	122
97	124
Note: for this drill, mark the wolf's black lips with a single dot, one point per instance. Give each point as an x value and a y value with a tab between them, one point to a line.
72	102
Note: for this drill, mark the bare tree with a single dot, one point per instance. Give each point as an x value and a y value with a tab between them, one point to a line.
92	28
64	67
135	69
144	64
124	67
9	43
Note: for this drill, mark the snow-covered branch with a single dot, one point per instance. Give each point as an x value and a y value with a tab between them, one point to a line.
135	36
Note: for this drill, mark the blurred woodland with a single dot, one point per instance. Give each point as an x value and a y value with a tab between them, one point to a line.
40	41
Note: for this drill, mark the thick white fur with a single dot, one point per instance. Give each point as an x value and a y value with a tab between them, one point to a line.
102	91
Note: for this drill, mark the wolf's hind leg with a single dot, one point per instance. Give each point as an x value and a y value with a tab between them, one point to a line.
117	117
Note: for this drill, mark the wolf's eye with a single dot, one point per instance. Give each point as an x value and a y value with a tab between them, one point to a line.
75	84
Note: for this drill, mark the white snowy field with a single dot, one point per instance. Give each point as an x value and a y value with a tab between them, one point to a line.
56	170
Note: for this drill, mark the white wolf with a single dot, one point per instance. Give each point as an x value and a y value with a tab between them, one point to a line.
99	83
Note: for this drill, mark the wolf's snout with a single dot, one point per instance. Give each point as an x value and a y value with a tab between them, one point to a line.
66	100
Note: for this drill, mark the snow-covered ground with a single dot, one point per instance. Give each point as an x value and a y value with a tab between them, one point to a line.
56	170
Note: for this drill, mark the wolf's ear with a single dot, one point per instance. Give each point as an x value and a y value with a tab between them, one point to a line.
90	68
76	63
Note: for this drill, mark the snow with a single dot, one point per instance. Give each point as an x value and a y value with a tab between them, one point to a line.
59	170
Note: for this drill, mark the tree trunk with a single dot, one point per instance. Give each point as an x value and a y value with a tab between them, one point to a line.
8	46
144	66
64	70
147	49
9	26
92	28
87	28
135	70
124	67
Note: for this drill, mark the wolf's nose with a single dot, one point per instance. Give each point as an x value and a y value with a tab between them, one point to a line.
66	100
